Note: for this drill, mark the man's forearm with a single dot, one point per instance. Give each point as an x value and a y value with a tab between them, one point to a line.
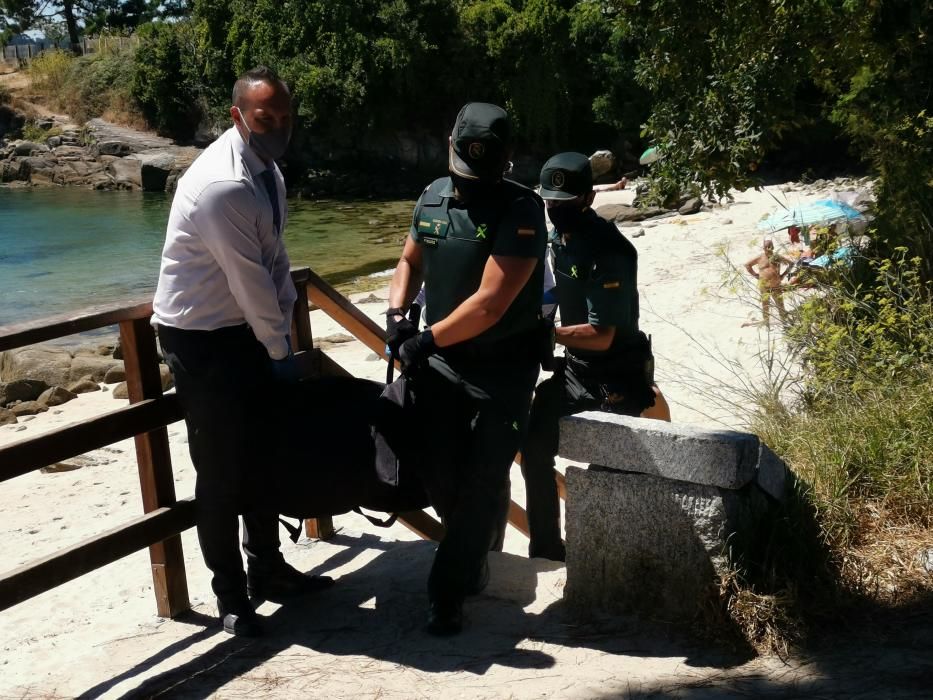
406	281
475	315
585	336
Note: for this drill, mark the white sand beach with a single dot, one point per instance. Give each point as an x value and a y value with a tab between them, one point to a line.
99	636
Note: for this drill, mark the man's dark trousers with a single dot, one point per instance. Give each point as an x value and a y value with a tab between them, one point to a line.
564	394
473	417
222	378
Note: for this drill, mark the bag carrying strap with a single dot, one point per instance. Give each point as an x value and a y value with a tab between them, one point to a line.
388	522
294	531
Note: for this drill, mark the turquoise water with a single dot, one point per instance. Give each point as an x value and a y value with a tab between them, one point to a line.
62	250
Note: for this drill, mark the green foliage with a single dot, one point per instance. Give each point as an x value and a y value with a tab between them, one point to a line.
161	82
49	72
874	447
33	132
5	95
858	335
363	70
722	76
100	85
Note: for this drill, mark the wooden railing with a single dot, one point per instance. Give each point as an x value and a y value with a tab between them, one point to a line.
146	419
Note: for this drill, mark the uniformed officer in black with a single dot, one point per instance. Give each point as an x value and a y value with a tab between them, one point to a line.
607	363
478	242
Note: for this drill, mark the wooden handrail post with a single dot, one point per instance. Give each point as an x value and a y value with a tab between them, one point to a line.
144	381
302	339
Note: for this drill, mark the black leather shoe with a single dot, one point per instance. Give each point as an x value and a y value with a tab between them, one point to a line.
445	619
283	581
482	580
240	620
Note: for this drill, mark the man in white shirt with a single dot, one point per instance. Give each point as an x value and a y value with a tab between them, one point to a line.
223	310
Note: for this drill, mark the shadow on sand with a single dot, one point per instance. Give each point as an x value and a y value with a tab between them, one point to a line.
378	612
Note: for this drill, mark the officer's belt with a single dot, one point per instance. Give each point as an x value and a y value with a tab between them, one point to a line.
628	355
521	347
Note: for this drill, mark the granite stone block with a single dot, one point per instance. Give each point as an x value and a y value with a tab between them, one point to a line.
723	458
638	542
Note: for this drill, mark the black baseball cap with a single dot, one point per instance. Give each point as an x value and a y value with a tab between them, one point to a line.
565	176
480	141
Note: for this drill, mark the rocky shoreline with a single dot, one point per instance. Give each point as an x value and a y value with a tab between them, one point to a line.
99	155
35	378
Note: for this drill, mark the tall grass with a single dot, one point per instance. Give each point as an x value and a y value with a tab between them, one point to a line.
856	431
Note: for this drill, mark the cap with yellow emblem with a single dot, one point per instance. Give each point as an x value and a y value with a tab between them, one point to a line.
566	176
480	142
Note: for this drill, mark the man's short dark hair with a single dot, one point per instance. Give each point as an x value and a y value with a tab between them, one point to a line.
259	74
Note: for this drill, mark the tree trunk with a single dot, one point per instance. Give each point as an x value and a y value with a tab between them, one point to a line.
68	10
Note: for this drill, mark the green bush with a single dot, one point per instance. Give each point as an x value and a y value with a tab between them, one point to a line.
858	334
159	83
100	85
35	133
49	73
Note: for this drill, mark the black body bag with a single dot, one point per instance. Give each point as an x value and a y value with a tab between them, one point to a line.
344	444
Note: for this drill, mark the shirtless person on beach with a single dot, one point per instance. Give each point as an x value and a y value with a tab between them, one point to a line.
769	276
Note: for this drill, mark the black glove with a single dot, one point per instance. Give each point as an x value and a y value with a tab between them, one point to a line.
397	332
414	352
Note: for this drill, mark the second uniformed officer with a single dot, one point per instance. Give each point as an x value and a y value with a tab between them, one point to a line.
608	363
477	241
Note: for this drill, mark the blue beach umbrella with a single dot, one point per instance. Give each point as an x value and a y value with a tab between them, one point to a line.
824	211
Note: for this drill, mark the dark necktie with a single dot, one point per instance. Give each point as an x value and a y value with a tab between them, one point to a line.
268	179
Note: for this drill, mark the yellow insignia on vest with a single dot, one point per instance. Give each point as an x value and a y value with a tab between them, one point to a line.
424	224
481	232
526	231
611	285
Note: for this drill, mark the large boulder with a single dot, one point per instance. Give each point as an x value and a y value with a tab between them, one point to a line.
154	168
126	173
28	408
21	390
29	148
624	212
56	396
83	386
112	148
53	365
93	366
602	162
7	417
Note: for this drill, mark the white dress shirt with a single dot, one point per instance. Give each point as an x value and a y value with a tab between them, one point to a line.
224	263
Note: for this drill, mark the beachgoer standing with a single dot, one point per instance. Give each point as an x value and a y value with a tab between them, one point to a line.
769	276
478	241
608	363
223	309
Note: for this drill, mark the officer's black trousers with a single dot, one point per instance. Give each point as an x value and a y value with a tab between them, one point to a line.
473	418
221	379
564	394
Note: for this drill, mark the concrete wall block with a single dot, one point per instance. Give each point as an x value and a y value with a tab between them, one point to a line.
637	542
772	473
723	458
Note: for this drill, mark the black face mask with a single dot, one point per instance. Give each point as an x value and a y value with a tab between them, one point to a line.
472	190
566	217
